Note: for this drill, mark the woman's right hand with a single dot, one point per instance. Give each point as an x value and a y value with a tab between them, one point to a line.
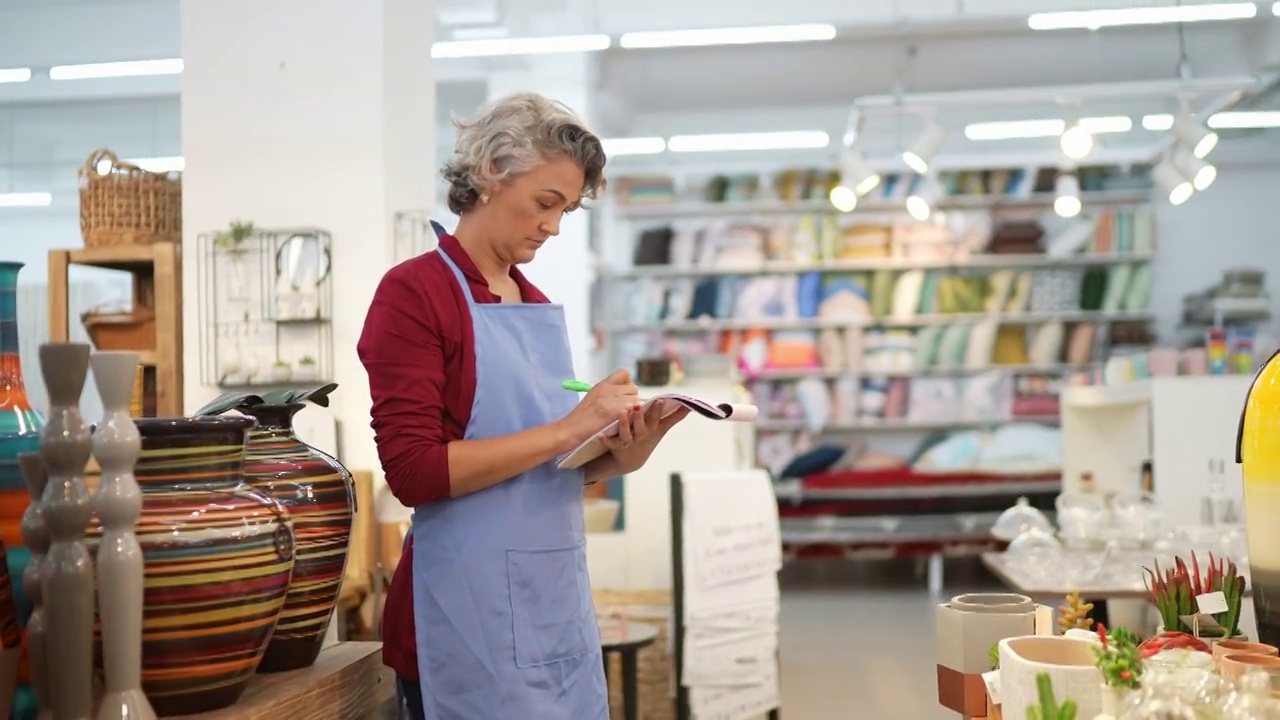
611	399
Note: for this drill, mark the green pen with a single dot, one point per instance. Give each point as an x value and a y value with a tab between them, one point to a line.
576	386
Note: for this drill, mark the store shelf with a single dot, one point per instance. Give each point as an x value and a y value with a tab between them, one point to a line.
901	425
887	529
1027	318
828	374
972	262
794	491
823	206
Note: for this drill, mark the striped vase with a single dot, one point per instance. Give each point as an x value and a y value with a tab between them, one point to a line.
320	497
219	557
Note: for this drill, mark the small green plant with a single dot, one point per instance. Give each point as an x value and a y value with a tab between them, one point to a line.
233	236
1118	658
307	361
281	363
994	654
1049	709
236	400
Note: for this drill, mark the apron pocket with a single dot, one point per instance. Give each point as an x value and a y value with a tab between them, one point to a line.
546	604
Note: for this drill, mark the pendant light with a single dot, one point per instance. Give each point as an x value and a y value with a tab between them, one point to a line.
1067	190
1171	182
1200	173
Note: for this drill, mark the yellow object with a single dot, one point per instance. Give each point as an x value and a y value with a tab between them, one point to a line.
1258	452
1075	614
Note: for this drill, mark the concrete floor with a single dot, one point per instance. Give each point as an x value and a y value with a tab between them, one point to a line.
858	640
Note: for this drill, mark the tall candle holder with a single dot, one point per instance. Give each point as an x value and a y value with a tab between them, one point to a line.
116	445
36	536
65	444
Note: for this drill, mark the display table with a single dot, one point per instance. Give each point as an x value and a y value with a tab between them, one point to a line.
627	640
346	683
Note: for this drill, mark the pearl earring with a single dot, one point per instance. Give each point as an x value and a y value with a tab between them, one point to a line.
484	199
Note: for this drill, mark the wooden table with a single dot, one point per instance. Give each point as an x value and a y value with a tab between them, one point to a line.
627	640
347	682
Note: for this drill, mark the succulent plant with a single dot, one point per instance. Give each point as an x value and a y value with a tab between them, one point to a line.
236	400
1173	591
1049	709
1075	613
1118	658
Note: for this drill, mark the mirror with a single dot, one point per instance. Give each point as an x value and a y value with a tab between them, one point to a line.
302	261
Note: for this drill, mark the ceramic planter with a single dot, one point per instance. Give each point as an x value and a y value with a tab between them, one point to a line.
1113	700
1258	452
319	495
1068	662
967	627
218	559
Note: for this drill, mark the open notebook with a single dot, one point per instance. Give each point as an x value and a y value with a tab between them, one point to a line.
593	448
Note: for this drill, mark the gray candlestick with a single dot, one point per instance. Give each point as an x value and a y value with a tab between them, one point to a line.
36	537
116	444
68	582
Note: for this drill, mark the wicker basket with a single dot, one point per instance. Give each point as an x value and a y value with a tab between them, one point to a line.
133	330
652	607
128	205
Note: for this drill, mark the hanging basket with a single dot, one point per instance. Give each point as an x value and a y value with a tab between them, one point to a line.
132	330
128	205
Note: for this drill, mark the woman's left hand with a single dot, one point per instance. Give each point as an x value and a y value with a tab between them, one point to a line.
630	449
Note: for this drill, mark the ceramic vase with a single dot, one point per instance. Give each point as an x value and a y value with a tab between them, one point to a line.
320	497
1068	662
218	557
20	427
967	627
116	444
36	535
68	585
1258	452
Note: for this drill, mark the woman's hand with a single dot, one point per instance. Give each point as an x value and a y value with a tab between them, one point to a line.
614	398
630	449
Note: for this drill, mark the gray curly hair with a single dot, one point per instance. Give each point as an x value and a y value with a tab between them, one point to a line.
513	134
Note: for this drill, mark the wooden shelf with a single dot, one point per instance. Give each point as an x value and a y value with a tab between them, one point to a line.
157	287
347	682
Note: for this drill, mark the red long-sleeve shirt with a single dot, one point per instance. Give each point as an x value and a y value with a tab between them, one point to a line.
418	347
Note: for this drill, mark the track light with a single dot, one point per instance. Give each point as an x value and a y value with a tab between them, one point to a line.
1076	142
1171	182
843	198
1067	189
926	193
1200	173
928	145
1197	138
856	180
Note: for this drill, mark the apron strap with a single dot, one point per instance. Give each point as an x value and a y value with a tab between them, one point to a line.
457	273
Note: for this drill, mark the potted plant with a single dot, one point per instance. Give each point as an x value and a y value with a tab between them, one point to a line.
280	371
1119	660
306	370
232	239
1049	709
1174	591
1074	614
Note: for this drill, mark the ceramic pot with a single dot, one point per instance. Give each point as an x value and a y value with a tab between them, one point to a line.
1223	648
1235	666
967	627
218	557
1113	699
1258	452
20	427
319	495
1069	663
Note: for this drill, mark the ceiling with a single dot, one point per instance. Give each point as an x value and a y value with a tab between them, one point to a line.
885	46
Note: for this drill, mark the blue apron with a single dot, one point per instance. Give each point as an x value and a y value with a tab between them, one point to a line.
505	624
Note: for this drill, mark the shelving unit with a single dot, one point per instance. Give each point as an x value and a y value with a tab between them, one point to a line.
786	242
157	289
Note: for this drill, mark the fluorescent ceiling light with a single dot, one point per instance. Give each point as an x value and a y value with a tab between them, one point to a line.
1158	122
613	147
795	140
135	68
728	36
1094	19
520	46
1275	9
27	199
1020	129
1236	120
15	75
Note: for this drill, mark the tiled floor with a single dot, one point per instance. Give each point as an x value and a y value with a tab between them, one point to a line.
857	641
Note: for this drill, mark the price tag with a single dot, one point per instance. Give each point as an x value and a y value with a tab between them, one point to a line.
992	681
1211	603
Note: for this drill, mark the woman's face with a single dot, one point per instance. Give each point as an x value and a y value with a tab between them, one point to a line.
526	209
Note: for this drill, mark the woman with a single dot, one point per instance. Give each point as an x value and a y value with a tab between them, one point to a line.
489	615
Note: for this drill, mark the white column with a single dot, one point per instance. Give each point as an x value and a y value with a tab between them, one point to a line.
563	269
302	113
